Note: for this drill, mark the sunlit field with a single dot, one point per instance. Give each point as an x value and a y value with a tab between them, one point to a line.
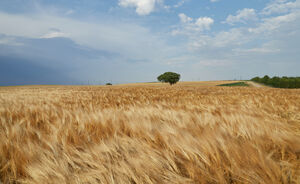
149	133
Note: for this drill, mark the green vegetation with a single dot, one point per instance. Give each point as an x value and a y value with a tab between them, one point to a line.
169	77
108	84
279	82
235	84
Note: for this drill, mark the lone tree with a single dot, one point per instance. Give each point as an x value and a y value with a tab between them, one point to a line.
169	77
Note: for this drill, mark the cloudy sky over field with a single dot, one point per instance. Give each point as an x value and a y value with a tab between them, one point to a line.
120	41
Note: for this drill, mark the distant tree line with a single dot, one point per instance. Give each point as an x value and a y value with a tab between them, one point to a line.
279	82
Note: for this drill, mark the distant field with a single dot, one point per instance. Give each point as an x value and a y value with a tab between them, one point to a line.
192	132
192	83
145	84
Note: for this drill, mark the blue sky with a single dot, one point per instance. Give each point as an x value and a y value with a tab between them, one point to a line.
122	41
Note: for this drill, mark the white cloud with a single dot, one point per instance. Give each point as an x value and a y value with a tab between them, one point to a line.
69	12
54	35
143	7
180	3
280	6
271	36
258	50
204	23
273	23
272	28
184	18
213	1
9	41
242	16
116	37
215	62
232	37
189	25
225	39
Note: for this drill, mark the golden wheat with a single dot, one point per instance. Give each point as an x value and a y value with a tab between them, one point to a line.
154	134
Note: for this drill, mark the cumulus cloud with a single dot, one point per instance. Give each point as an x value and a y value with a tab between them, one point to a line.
272	37
221	40
242	16
281	6
189	25
204	23
271	28
184	18
271	24
143	7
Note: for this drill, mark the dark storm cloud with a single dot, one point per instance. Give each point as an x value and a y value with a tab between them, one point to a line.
44	61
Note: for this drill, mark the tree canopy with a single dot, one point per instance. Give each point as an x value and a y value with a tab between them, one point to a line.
169	77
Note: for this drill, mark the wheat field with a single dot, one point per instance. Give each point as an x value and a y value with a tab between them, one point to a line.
149	134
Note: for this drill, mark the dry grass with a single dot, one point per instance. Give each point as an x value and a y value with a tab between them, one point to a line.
157	134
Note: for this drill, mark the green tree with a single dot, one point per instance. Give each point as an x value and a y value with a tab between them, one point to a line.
274	81
284	82
169	77
256	79
298	82
279	82
265	79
